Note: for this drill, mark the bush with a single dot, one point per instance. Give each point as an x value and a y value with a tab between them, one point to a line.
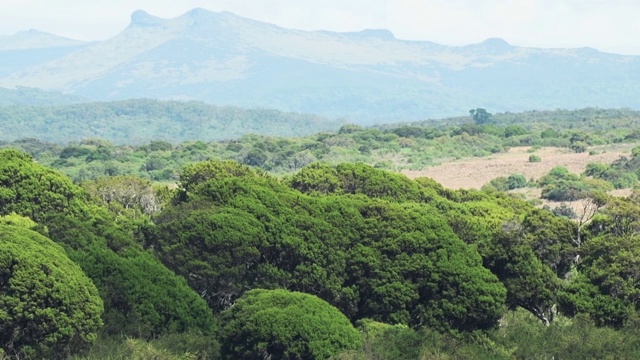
516	181
533	158
48	306
285	325
141	297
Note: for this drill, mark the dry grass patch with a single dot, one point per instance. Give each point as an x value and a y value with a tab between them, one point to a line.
475	172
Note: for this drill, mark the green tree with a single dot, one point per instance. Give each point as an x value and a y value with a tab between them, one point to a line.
530	283
141	297
285	325
480	116
48	306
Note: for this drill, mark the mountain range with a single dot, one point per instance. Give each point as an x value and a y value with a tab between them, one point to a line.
364	77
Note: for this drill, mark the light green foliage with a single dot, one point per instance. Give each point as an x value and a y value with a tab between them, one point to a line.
622	173
514	181
136	120
129	199
384	341
561	185
285	325
17	220
195	174
412	146
48	307
319	177
183	346
577	338
533	158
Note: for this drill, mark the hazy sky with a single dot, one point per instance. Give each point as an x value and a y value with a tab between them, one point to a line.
607	25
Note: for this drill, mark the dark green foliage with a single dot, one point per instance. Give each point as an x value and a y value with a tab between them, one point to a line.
533	158
530	283
285	325
219	250
561	185
514	130
582	296
235	229
514	181
430	277
141	297
481	116
563	210
552	238
48	306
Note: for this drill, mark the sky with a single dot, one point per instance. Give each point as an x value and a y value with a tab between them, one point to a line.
607	25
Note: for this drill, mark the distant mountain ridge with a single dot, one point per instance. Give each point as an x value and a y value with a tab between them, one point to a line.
35	39
367	76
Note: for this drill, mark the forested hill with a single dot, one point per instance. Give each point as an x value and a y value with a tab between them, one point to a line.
142	120
32	96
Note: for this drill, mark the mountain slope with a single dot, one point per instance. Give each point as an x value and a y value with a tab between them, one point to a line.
365	76
31	48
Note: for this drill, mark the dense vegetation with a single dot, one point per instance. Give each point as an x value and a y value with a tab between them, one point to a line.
33	96
48	304
137	121
383	266
412	146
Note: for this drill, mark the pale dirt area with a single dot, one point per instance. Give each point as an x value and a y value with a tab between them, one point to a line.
475	172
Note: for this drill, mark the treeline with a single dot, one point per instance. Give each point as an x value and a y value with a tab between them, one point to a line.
137	121
24	96
395	148
343	261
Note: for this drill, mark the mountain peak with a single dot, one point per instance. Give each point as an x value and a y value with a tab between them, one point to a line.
496	44
198	13
144	19
376	33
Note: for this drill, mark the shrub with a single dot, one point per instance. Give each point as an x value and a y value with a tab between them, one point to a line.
285	325
516	181
533	158
48	306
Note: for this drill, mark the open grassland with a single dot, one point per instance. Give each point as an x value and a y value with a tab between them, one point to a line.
473	173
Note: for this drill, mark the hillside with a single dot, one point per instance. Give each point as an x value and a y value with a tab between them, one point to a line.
368	76
141	120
